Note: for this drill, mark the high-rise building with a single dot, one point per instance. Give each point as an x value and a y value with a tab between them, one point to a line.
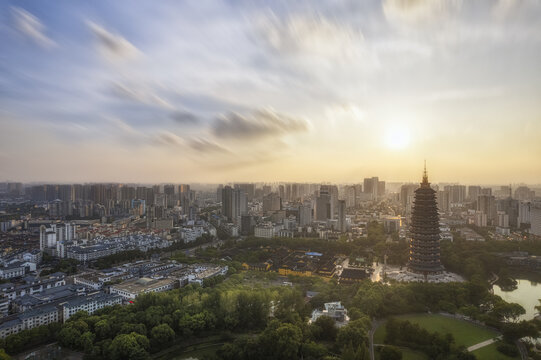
234	204
381	188
510	207
535	218
351	196
424	232
219	193
524	193
457	193
305	214
272	202
444	201
227	202
248	188
487	205
473	192
407	193
323	204
372	187
524	213
342	226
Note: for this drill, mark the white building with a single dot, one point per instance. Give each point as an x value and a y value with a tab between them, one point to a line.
13	270
334	310
29	319
50	234
131	289
264	231
89	303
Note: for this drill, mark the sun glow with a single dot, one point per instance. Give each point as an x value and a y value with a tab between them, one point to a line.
397	137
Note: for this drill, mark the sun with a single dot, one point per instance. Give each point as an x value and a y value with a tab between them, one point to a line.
397	137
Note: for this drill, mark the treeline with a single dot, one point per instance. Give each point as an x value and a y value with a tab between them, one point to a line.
120	257
435	345
68	266
269	322
159	320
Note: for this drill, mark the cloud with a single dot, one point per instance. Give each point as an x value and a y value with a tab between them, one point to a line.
125	129
464	94
31	27
184	117
258	124
346	113
205	146
309	35
420	12
168	138
144	96
113	46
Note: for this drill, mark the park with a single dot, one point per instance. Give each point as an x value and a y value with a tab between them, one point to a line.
478	339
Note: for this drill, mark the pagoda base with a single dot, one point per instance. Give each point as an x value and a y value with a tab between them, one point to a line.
406	275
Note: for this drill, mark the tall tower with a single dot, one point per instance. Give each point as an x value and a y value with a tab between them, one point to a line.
425	232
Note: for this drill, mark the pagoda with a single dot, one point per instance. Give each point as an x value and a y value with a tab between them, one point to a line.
424	232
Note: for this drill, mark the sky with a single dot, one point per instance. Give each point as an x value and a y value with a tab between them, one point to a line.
217	91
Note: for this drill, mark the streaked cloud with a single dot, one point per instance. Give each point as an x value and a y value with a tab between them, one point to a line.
420	12
112	46
168	138
139	94
184	117
309	35
205	146
260	123
31	26
465	94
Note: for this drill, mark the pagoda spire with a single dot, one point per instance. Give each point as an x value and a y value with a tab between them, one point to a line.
425	177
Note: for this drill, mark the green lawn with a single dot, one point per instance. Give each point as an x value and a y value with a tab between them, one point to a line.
491	353
464	332
201	350
408	354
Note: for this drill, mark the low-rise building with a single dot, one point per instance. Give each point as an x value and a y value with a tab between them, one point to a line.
13	270
30	319
32	285
89	303
334	310
132	288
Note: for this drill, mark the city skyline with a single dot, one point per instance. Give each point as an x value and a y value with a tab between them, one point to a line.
259	91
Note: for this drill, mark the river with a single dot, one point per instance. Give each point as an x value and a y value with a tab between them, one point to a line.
526	294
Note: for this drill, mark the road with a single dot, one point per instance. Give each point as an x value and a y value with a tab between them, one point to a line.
375	325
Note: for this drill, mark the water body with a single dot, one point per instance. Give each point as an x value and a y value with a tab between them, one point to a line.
526	294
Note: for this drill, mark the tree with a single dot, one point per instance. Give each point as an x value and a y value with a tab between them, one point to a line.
507	312
281	341
86	342
325	329
102	329
161	334
354	332
390	353
3	355
69	336
129	346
